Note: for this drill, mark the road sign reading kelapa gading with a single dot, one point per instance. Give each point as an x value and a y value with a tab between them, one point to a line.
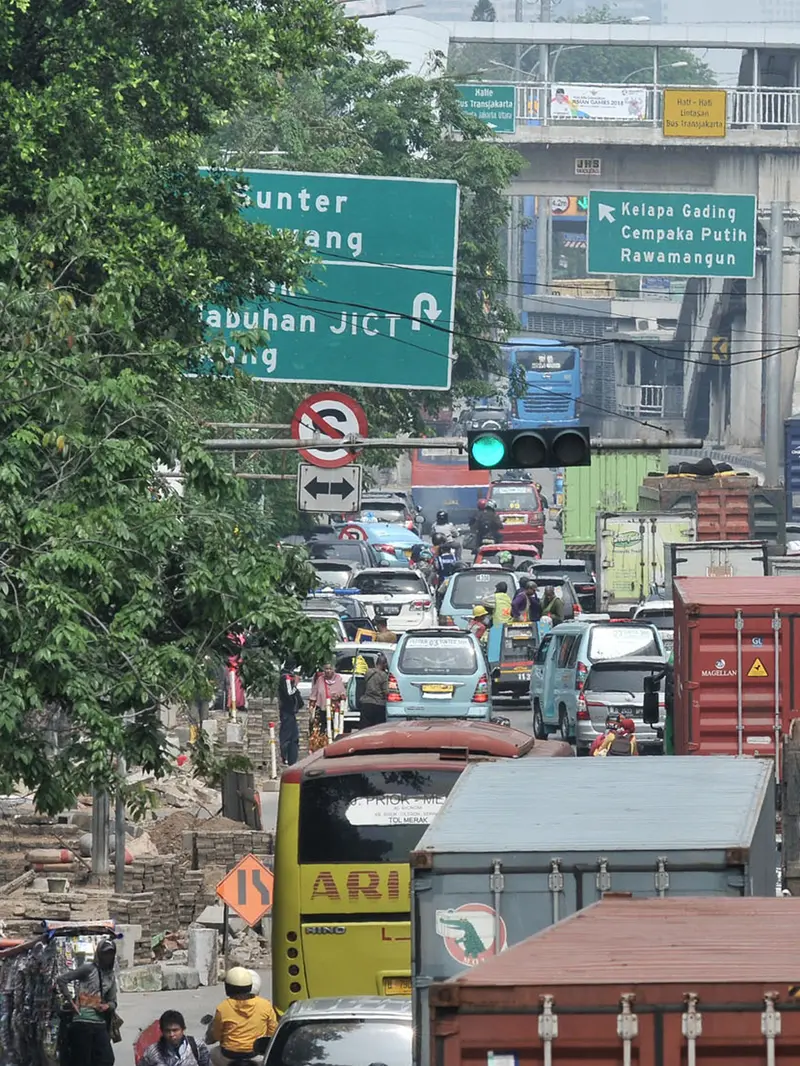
378	309
496	105
677	234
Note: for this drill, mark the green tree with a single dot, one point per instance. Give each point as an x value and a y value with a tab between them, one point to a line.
116	593
370	116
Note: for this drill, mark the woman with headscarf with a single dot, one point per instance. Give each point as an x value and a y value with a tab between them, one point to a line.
94	1003
325	700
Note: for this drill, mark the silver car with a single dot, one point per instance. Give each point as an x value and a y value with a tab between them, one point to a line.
351	1030
618	685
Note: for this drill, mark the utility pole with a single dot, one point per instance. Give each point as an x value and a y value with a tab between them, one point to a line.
100	810
544	232
119	830
773	425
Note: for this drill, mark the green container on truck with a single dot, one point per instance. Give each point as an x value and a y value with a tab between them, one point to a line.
611	483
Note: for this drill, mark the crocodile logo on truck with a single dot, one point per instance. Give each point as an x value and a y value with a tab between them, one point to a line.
471	933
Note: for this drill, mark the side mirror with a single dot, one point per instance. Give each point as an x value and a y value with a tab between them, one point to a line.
650	709
206	1019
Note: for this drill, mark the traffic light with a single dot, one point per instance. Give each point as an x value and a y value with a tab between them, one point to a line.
529	449
582	203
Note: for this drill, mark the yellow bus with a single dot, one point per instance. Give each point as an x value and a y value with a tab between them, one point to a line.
348	817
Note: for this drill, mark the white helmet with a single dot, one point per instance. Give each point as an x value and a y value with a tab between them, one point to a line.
256	982
239	977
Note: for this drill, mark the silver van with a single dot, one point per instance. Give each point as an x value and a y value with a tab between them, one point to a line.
563	661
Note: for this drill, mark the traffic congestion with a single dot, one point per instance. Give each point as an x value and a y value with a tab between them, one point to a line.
398	871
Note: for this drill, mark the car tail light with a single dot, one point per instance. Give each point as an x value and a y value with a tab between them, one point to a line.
481	694
577	609
536	519
409	524
583	711
394	691
446	620
580	676
421	605
388	548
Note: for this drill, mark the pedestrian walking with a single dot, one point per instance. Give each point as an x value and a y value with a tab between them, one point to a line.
290	702
376	690
95	1004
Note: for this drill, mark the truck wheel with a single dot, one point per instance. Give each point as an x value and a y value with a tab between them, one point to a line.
563	725
539	730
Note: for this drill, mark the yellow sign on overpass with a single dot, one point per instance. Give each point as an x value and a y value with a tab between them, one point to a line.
695	112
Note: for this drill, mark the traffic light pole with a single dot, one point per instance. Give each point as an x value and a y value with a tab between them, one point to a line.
612	444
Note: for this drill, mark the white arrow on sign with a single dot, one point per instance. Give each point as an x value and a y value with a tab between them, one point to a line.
424	302
325	490
605	213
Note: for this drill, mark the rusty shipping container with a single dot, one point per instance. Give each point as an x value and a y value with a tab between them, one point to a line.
737	676
659	982
727	507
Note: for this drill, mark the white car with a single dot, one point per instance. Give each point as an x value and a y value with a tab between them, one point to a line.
661	614
402	597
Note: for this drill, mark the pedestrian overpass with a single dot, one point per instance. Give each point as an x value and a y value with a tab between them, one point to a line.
758	154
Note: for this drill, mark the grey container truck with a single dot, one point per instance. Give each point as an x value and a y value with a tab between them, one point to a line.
519	845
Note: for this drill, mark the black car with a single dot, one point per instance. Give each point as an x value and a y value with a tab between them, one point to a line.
358	552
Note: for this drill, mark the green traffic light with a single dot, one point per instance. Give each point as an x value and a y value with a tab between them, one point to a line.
488	450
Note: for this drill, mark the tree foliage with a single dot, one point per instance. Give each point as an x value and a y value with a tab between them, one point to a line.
370	116
117	594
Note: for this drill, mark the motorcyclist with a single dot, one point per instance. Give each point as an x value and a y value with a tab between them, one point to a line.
618	739
444	558
447	529
241	1022
488	526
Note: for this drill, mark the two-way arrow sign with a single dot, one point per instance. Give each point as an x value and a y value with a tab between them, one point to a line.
326	491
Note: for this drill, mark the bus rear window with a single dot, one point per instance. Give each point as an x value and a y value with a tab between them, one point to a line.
373	816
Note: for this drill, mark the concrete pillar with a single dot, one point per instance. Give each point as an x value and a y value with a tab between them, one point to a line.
716	406
790	320
203	953
745	420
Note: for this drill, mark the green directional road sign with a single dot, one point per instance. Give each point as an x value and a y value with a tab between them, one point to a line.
496	105
379	311
358	326
678	234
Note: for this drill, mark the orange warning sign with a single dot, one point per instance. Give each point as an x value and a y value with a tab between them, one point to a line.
248	889
757	669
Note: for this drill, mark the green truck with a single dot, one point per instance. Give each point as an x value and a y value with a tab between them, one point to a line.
611	483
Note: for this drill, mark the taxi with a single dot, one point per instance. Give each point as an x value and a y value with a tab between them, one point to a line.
439	673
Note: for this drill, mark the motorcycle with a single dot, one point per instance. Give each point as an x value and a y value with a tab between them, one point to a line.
254	1058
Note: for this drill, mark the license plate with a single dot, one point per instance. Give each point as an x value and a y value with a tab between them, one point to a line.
397	986
388	608
407	553
523	677
514	520
435	690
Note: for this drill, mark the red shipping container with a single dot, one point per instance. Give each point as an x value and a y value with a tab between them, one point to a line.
656	982
737	688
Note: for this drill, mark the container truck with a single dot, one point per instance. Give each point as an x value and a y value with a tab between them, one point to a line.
728	507
737	688
515	848
648	981
611	483
631	555
716	558
784	564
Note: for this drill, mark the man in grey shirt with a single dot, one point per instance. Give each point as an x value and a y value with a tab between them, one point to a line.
94	1002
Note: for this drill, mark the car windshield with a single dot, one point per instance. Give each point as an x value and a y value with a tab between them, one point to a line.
573	567
617	678
345	660
389	584
438	655
660	619
385	509
333	576
472	586
373	816
515	498
621	641
342	1042
351	551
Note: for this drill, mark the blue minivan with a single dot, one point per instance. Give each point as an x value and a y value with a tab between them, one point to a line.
564	658
467	588
439	673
